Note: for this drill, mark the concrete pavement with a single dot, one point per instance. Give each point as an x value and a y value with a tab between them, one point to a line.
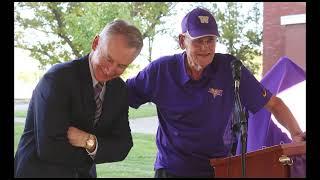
148	125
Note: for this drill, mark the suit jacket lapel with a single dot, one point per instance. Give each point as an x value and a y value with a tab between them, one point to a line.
86	89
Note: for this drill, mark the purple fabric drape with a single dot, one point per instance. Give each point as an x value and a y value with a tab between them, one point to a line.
262	131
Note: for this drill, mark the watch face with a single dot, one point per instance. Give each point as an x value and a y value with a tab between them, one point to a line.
90	142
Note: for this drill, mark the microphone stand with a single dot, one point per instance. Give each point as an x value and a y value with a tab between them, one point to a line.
241	118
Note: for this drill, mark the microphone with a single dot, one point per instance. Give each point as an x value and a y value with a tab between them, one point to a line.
236	71
241	116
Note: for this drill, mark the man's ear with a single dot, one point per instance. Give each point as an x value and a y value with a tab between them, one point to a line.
181	41
95	42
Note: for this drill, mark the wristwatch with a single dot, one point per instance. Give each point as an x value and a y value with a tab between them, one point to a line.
91	141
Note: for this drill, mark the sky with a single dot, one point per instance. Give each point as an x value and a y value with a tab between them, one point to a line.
163	45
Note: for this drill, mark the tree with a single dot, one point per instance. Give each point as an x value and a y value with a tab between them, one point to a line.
62	31
242	40
148	16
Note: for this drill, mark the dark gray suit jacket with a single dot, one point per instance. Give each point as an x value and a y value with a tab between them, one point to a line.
64	97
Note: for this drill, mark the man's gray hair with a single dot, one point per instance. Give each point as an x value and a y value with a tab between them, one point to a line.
132	33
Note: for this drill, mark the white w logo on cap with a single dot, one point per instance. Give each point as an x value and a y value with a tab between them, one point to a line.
204	19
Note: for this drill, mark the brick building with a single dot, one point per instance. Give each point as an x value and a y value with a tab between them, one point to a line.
284	33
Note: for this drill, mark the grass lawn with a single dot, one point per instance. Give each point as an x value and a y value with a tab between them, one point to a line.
145	110
138	163
20	113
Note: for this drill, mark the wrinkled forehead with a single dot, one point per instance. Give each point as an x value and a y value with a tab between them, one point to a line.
199	37
204	38
117	49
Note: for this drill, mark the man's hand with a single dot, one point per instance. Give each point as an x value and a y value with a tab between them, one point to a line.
299	137
77	137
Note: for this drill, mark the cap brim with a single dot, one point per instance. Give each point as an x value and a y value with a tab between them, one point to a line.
202	33
197	37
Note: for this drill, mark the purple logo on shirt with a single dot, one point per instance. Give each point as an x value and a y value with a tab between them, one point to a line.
215	92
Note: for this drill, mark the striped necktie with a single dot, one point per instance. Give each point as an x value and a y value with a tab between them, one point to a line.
97	91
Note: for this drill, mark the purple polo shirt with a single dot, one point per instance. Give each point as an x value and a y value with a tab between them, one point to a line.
193	115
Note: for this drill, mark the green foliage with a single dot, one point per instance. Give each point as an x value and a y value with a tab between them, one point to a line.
67	29
148	16
85	20
242	41
63	31
48	20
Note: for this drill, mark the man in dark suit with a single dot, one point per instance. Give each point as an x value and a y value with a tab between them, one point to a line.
78	113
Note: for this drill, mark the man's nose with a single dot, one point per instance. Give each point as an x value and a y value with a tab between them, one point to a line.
204	45
112	69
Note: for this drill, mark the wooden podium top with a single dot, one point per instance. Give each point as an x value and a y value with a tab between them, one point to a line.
262	163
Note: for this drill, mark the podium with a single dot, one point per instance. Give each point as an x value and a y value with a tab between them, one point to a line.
274	161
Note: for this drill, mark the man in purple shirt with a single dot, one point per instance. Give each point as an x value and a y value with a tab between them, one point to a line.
193	92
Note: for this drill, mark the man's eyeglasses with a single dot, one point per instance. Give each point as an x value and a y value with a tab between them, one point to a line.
207	40
107	60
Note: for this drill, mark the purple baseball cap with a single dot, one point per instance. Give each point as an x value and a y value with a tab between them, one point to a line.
199	23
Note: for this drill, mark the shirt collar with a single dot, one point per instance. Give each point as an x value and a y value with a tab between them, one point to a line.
208	72
182	70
